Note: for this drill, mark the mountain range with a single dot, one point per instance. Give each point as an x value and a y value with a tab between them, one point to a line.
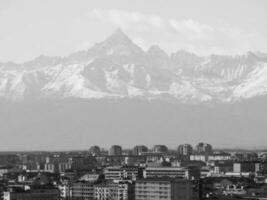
117	93
117	68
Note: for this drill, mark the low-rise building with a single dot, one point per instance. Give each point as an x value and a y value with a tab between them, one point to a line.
115	150
163	188
34	193
139	150
185	149
122	172
65	190
172	172
246	166
199	157
114	190
82	190
220	156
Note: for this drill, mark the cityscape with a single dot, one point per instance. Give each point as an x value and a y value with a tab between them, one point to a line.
140	173
133	100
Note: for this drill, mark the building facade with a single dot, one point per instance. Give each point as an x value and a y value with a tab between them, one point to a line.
163	188
204	148
122	173
33	194
139	150
83	190
160	149
114	191
172	172
95	151
115	150
185	149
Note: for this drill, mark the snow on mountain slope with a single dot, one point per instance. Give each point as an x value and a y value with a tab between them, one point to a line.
68	82
117	68
254	85
12	85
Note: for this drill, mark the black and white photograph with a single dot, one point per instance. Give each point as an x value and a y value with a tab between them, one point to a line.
133	99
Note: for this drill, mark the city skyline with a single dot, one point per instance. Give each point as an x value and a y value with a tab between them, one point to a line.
133	99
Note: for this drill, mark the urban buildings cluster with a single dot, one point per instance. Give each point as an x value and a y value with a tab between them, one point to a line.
141	173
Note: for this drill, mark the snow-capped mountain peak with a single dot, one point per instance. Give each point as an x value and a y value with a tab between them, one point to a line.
118	68
117	44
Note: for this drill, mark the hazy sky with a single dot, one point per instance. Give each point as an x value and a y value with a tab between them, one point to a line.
29	28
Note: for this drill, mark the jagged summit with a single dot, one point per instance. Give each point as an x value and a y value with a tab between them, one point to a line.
155	50
117	44
185	60
118	36
183	54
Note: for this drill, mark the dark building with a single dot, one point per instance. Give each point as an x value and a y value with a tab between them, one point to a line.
138	150
82	163
160	149
246	166
246	156
204	148
185	149
42	192
223	166
115	150
95	151
8	159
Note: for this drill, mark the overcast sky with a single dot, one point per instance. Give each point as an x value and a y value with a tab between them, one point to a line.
29	28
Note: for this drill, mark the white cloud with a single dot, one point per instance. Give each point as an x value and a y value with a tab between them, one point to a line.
183	33
192	29
127	19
